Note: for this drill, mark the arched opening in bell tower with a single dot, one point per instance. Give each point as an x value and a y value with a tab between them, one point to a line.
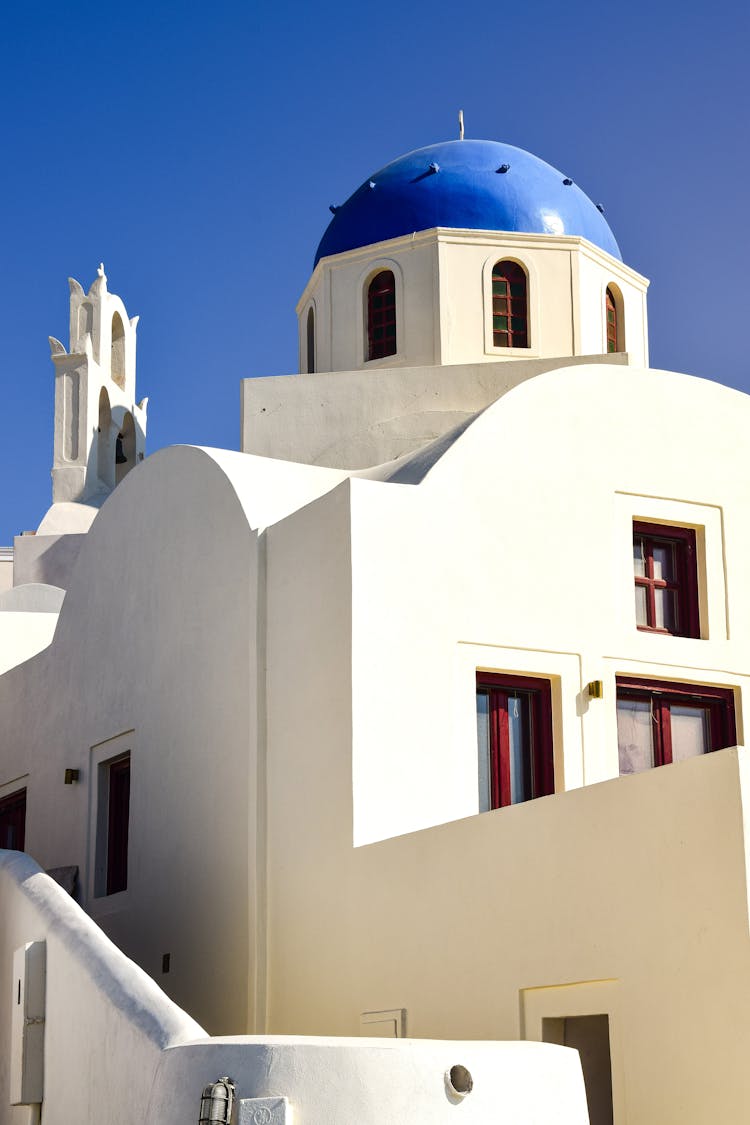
105	458
125	448
117	361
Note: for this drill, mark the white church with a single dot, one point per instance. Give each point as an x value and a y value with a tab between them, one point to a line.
391	767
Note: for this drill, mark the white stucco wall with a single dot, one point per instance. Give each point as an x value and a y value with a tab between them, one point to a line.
22	635
358	419
139	665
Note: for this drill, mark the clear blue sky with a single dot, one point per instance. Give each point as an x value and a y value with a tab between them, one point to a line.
195	148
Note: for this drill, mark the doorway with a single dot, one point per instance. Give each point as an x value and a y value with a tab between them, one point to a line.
589	1035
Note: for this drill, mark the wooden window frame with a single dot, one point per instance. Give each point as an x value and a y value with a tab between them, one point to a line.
513	307
662	693
685	583
610	312
381	317
539	750
13	807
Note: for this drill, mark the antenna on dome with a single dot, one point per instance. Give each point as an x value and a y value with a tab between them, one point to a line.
460	124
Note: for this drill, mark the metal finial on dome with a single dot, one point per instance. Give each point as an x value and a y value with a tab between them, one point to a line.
460	124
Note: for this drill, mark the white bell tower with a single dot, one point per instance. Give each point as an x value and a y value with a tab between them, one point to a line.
100	430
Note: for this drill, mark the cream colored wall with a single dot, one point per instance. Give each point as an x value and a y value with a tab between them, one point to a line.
444	299
338	293
515	555
592	273
480	927
309	692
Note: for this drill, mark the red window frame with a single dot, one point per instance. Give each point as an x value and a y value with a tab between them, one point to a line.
13	821
661	694
611	307
684	583
381	315
118	820
537	751
510	319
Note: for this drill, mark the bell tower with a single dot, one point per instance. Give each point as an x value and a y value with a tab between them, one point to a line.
100	430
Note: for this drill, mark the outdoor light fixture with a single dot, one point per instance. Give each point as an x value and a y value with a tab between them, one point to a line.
217	1102
595	689
71	776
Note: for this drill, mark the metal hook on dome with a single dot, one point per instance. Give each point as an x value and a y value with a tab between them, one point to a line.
434	167
599	208
333	208
567	182
503	168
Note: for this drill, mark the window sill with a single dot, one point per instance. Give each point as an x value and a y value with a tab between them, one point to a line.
666	633
512	353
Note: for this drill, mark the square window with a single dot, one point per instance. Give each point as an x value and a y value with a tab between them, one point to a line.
514	730
113	822
666	579
660	722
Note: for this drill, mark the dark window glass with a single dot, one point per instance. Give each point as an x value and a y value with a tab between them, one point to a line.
666	579
117	825
13	821
514	730
381	316
310	341
509	306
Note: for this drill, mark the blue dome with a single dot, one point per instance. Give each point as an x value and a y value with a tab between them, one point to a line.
459	184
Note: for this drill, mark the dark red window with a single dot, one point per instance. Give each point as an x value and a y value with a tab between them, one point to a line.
514	728
611	322
659	722
381	316
310	341
509	306
118	814
13	821
666	579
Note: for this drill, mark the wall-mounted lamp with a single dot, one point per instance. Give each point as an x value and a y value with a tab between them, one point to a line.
217	1103
595	689
71	776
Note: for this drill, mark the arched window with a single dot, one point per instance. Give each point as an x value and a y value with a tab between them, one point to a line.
381	315
310	341
612	341
510	317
